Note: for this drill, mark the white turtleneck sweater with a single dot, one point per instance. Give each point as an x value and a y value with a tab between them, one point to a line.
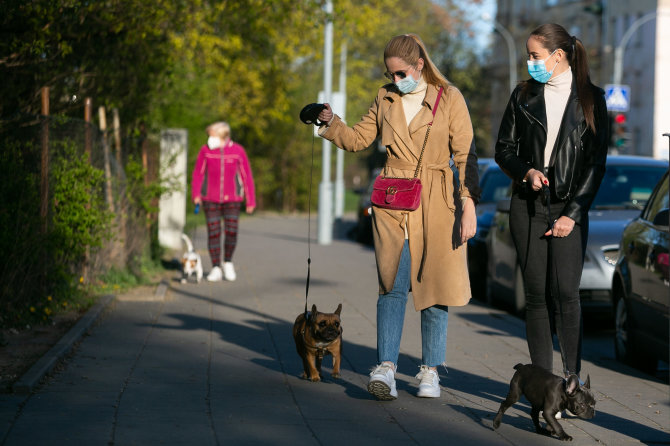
556	94
412	102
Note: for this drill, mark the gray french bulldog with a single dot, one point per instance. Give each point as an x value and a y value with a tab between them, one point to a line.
550	394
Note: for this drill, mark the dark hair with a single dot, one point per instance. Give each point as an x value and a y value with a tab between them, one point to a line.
410	48
553	37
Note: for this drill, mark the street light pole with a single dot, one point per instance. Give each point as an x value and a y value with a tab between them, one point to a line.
325	233
339	154
618	52
511	49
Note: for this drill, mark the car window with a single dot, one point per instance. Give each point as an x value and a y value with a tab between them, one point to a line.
495	185
627	187
660	201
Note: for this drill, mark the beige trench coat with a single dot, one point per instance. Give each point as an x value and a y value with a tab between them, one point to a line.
439	264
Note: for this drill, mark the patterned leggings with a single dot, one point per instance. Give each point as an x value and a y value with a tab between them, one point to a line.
230	212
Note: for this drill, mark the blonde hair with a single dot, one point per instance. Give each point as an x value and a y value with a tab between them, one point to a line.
220	129
410	48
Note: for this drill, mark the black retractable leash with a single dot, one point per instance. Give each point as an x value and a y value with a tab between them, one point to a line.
310	115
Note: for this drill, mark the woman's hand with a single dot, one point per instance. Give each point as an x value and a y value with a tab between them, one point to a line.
536	179
250	209
326	114
197	200
561	227
468	220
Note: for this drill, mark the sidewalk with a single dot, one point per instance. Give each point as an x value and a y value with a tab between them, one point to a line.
215	364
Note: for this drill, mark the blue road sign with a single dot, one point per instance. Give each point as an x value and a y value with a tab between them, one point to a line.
617	97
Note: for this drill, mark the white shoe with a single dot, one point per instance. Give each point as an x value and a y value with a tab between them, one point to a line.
229	271
382	382
215	274
430	383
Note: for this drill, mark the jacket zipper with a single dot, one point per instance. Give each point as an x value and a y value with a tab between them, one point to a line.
222	172
572	177
533	118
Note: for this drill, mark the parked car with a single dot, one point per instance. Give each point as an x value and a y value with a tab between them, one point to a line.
640	293
494	187
625	189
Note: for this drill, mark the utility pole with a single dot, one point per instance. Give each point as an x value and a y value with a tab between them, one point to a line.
339	164
325	233
511	49
618	52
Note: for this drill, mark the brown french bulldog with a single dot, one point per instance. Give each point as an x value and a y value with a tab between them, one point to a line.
550	394
318	335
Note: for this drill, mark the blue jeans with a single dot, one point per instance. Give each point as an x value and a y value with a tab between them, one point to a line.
391	314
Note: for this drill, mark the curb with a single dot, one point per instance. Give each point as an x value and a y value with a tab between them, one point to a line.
27	383
46	363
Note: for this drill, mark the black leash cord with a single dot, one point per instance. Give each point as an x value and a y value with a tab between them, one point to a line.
309	226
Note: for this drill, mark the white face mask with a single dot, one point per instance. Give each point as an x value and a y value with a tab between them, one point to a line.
214	142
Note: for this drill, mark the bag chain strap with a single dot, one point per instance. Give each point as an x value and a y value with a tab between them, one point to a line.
430	124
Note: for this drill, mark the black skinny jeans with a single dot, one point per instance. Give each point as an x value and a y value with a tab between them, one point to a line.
552	270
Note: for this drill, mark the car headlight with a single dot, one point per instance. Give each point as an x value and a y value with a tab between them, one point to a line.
611	256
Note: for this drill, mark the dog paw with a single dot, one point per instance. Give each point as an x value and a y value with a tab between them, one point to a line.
335	376
543	431
496	423
565	437
183	280
315	379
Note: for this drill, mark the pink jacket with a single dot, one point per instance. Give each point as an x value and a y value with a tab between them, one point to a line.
228	173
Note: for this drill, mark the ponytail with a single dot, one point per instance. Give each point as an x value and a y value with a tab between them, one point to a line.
580	67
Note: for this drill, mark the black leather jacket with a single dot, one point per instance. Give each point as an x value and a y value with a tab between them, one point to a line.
578	159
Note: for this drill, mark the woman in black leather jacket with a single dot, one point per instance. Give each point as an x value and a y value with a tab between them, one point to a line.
553	138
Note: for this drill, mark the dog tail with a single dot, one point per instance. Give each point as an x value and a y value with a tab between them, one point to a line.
187	240
518	366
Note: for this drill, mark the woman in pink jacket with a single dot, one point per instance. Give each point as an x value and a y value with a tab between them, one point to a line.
229	182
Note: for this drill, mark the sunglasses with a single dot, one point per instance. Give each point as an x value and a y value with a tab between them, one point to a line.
391	75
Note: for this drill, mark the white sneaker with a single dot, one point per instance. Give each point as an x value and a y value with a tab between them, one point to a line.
229	271
382	382
215	274
430	383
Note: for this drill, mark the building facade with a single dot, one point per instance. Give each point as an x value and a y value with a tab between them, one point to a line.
601	26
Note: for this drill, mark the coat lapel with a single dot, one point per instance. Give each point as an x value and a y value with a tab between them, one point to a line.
534	103
395	118
425	115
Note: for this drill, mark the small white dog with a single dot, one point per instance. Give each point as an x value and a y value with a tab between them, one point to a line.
191	262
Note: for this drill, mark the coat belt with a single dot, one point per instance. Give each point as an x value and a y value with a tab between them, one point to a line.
441	168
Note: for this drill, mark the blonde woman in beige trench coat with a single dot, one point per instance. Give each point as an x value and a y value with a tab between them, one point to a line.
423	250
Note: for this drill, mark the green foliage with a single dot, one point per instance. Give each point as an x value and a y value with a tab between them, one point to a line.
142	195
80	217
255	64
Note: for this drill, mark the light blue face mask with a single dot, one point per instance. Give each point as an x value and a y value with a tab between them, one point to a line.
538	70
407	84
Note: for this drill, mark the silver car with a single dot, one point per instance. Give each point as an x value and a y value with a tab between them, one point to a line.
626	187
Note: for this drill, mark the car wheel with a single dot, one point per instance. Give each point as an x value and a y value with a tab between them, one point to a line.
491	291
519	292
624	341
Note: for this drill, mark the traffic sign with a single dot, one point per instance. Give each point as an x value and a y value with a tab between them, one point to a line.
617	97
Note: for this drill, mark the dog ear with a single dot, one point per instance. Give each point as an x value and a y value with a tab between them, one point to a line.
587	384
572	385
339	309
314	312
